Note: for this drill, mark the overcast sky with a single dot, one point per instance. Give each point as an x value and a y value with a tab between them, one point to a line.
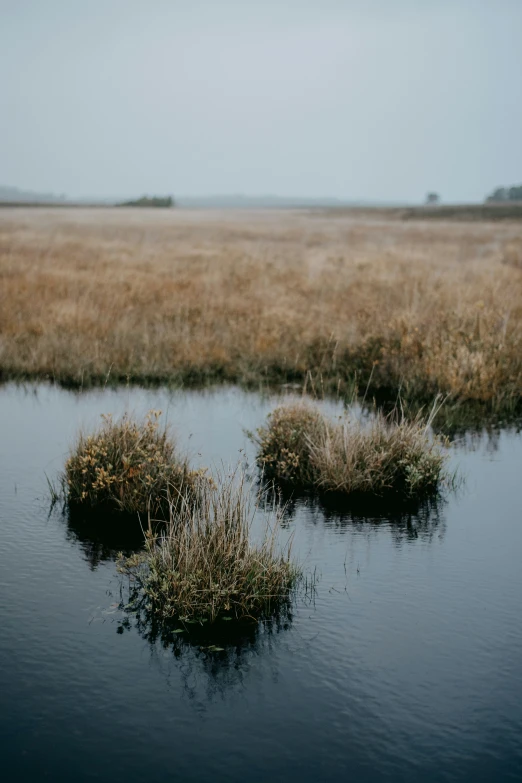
358	99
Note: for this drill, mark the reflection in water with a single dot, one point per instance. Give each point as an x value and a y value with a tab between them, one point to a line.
407	519
214	659
103	536
485	440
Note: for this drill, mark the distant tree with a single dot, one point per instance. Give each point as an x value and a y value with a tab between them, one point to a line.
500	194
152	201
432	198
506	194
515	193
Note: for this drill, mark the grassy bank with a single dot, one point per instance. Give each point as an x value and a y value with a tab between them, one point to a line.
386	456
94	296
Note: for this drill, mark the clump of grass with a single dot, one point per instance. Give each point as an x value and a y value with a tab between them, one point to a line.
203	566
285	443
127	466
389	454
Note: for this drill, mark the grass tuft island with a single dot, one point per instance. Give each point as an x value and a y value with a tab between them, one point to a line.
128	466
203	566
387	455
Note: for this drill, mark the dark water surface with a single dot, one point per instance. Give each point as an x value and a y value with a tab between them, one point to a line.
408	666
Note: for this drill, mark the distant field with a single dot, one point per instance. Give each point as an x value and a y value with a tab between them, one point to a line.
90	295
511	211
500	211
489	212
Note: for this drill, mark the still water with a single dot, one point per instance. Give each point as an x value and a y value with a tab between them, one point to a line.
406	667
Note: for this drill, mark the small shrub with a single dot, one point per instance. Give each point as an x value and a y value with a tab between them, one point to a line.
301	446
128	466
203	566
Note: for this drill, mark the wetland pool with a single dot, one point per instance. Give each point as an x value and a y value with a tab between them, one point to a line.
406	666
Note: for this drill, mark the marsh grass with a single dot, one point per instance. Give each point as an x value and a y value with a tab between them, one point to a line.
203	565
513	255
386	455
153	296
127	466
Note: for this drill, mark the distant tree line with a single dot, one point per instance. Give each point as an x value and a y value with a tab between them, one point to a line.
506	194
152	201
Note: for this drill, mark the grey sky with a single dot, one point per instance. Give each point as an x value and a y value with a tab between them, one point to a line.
373	100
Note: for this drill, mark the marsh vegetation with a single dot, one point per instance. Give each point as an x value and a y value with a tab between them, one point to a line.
196	559
386	455
203	566
264	297
128	466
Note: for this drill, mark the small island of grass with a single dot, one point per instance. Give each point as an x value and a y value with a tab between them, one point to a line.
128	466
387	455
202	566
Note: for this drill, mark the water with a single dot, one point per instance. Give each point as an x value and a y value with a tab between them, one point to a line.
407	667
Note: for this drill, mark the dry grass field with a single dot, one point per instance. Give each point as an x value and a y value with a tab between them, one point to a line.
97	295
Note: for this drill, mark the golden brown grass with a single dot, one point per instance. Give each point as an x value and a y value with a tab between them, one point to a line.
128	466
87	295
301	446
204	566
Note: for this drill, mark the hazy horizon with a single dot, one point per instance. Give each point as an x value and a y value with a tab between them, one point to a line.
357	101
13	194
